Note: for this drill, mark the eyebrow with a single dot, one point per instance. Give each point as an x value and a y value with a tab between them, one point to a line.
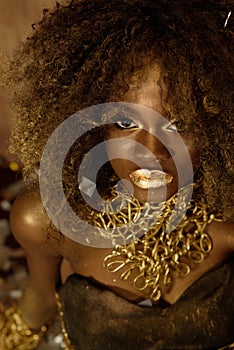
131	110
139	114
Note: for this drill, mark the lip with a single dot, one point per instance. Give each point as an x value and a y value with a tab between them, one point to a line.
150	178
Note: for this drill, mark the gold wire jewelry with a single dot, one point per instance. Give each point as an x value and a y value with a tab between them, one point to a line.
228	347
67	342
157	246
14	332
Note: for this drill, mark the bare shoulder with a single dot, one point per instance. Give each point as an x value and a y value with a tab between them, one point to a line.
29	221
28	213
223	234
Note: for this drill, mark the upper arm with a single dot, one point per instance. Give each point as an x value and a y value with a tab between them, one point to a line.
29	225
222	234
229	229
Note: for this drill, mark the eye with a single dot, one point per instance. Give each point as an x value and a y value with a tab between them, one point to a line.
125	123
174	126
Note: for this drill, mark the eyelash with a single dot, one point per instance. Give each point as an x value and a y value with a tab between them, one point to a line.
124	120
173	126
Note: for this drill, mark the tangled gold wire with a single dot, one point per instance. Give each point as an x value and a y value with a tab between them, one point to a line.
153	245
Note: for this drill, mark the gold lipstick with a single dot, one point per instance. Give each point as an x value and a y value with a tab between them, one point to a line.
146	179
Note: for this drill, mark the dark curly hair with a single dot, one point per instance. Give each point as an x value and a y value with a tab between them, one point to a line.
85	52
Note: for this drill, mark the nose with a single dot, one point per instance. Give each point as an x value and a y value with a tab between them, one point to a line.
153	144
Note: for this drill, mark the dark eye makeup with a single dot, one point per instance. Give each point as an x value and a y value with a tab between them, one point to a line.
175	126
125	121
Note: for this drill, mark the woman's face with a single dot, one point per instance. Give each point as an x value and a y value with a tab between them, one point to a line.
151	154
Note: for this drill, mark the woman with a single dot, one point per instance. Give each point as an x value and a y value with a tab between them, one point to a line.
158	271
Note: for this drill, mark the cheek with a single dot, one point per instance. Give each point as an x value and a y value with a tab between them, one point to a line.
118	147
115	152
120	167
195	157
193	150
120	154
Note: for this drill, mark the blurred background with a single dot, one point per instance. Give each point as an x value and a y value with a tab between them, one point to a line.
16	19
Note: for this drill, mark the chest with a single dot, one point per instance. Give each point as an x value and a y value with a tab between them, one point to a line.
89	262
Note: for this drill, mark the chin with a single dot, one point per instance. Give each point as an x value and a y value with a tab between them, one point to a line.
155	195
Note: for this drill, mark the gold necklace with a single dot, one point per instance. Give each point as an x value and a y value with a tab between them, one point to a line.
152	247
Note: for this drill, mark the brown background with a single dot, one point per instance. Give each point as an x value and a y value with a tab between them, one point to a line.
16	17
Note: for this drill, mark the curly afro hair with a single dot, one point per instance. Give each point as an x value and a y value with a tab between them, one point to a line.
84	52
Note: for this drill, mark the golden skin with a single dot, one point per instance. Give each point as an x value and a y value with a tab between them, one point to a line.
145	125
45	255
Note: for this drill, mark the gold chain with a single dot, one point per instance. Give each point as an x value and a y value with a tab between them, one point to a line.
67	342
14	332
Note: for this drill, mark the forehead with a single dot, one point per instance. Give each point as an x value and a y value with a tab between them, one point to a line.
144	88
